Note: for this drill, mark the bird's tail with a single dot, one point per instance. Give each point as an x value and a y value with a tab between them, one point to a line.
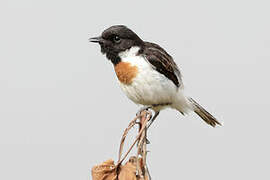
206	116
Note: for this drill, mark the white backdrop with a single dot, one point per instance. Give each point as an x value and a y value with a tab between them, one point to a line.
62	111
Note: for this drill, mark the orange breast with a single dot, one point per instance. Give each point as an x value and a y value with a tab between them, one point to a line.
125	72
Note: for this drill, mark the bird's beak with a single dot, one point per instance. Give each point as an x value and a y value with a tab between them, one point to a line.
96	39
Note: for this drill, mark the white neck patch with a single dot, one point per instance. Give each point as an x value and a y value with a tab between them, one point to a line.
131	56
133	51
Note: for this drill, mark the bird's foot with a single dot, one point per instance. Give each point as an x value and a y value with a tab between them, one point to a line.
143	109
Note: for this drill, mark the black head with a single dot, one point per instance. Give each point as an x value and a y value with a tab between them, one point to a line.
117	39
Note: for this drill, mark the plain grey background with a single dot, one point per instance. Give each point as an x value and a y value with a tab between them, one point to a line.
62	111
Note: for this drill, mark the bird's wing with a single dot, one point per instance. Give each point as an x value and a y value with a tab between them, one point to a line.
162	62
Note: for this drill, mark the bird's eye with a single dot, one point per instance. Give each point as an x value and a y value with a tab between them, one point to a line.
116	39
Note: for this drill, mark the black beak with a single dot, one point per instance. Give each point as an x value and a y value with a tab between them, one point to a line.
96	39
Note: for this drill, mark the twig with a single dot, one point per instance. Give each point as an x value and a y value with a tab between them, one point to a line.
131	124
142	170
141	167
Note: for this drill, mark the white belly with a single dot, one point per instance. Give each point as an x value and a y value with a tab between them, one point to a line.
149	86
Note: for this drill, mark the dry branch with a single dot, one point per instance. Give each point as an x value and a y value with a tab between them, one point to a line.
136	167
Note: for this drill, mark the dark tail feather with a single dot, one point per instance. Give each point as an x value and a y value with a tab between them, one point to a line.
206	116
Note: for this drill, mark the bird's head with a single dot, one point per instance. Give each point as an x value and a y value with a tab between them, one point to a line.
115	40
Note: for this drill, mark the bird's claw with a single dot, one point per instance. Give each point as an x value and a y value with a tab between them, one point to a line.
142	109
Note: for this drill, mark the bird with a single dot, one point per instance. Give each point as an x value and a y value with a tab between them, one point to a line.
147	74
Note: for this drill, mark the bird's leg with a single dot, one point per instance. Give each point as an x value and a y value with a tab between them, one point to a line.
143	109
156	113
153	119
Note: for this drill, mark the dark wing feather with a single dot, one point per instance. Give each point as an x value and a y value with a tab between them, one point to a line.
162	62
